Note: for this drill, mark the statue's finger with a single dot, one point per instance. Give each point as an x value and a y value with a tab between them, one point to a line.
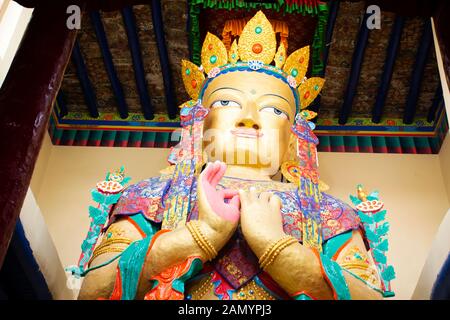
252	195
265	196
229	193
243	196
275	202
221	167
235	201
209	172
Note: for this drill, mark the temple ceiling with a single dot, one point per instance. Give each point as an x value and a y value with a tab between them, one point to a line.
115	92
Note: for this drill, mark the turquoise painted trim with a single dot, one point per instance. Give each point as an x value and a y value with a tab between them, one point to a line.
146	226
100	265
385	294
130	265
196	266
302	296
331	246
334	274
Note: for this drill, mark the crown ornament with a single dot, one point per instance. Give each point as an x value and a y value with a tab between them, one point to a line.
256	50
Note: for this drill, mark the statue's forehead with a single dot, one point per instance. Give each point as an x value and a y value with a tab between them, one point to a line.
228	77
251	82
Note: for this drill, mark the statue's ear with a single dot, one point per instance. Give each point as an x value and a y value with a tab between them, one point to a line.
291	152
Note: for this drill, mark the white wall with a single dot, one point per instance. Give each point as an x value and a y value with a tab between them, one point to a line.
44	250
441	244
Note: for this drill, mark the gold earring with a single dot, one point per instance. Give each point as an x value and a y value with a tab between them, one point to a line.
290	169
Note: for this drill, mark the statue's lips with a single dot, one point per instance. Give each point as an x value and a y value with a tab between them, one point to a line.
247	133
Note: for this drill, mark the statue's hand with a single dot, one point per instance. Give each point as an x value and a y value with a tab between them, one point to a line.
218	209
261	219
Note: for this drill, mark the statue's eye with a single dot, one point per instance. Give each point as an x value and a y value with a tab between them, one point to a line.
225	103
275	111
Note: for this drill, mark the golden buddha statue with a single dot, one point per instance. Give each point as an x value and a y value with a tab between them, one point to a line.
214	224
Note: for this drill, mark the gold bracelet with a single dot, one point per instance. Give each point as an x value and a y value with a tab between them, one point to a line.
274	250
101	251
108	242
270	248
201	240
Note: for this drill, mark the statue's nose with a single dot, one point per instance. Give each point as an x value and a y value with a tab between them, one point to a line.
247	123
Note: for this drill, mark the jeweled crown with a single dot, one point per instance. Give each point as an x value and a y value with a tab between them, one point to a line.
255	51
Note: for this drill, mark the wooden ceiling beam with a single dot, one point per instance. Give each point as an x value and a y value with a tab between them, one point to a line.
136	55
417	73
394	43
332	15
85	82
60	100
158	27
116	86
357	60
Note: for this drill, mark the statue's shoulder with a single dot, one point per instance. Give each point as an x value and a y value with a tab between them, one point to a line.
337	216
144	197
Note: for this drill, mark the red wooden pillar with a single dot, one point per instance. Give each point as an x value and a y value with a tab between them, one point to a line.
26	99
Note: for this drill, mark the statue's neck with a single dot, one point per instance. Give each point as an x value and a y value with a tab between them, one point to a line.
244	172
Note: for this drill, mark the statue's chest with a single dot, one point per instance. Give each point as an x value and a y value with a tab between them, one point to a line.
290	208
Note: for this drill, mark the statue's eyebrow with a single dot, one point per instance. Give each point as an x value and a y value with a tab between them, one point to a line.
223	88
276	95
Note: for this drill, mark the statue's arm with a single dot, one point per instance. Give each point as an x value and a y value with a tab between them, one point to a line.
169	249
306	272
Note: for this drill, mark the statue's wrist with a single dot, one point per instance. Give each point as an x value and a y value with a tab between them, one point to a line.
260	242
205	239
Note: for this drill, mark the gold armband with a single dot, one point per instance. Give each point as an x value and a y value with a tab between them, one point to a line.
274	250
201	240
118	244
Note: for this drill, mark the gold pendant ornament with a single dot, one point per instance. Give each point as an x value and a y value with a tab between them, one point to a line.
280	56
309	90
233	55
193	78
214	53
257	40
297	64
291	171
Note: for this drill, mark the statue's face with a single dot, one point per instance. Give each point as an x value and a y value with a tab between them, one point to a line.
249	120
